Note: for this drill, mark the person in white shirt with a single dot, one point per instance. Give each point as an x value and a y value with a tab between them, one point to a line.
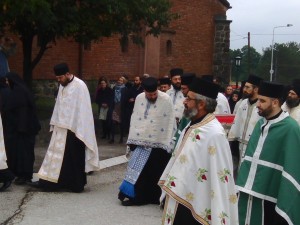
291	105
175	92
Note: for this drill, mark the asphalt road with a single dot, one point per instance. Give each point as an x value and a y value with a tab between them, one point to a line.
98	204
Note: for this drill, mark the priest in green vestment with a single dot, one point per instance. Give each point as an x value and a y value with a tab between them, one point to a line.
269	178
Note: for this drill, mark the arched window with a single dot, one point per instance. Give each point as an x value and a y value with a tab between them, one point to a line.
169	47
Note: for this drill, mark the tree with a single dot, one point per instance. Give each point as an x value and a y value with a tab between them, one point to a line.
286	62
83	20
249	63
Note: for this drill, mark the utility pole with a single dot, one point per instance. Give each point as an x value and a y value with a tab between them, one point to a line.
249	56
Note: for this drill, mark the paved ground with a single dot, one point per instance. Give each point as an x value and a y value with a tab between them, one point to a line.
98	204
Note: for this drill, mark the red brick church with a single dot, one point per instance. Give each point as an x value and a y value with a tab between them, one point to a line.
198	42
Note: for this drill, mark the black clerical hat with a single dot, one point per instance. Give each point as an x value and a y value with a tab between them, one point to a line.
204	87
165	80
61	69
296	89
187	78
271	89
149	84
254	80
176	72
208	77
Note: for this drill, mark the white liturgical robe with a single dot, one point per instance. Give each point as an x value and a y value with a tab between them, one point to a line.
200	176
72	112
3	164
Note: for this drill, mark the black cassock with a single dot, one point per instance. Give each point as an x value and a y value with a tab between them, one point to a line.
72	175
20	126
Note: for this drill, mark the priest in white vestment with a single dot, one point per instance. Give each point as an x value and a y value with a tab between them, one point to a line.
152	127
292	103
245	118
197	184
175	92
73	149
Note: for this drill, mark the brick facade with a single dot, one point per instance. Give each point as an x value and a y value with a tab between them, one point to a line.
189	42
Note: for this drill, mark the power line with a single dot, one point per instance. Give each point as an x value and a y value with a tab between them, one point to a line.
278	34
268	35
238	39
244	36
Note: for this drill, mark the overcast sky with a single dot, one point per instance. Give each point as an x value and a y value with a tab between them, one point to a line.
259	17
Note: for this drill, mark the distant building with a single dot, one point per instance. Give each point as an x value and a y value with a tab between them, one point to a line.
198	42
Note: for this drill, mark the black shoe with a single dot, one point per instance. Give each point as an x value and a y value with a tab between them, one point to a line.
90	173
111	142
5	185
38	187
21	180
121	141
127	203
35	184
103	137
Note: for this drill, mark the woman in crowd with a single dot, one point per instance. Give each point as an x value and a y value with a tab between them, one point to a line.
233	99
104	100
119	92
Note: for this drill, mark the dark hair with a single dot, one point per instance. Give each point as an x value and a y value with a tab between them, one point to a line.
103	78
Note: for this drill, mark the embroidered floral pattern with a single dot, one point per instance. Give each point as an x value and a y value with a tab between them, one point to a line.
189	197
207	215
195	135
233	198
201	177
183	159
169	216
171	182
223	217
223	175
211	150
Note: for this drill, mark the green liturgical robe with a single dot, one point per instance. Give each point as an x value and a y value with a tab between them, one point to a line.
270	171
183	123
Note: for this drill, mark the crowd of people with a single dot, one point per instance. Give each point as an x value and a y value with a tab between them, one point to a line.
181	157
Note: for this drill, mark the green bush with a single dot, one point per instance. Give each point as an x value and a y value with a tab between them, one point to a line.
44	106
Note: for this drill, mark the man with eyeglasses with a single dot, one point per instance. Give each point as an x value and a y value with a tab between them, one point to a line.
245	118
198	185
186	80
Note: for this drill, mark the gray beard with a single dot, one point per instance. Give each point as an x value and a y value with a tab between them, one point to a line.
190	113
